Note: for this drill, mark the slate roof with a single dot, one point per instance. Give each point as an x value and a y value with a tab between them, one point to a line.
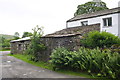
72	31
95	14
22	39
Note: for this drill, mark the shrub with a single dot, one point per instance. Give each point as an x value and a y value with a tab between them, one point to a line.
35	45
59	57
102	63
115	48
100	39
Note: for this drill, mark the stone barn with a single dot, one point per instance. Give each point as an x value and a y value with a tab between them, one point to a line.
68	38
20	45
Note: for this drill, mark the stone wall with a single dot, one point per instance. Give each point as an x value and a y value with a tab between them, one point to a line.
69	42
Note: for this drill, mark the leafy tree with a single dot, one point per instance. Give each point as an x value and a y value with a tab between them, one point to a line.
90	7
26	34
16	35
35	46
2	40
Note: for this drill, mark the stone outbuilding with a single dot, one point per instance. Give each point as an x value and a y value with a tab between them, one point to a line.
68	38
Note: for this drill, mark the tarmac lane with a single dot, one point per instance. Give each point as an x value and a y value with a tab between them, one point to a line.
15	68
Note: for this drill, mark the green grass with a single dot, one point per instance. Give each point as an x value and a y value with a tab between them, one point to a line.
4	50
26	58
50	66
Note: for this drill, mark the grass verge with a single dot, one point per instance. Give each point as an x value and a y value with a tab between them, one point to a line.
4	50
49	66
26	58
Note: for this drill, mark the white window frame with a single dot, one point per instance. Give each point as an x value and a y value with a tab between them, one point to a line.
106	22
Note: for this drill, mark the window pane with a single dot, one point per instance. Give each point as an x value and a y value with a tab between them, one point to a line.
84	23
104	22
109	21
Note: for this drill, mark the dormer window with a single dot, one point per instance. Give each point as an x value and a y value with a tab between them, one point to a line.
84	23
107	22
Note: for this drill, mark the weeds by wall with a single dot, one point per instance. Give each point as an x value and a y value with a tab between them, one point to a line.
102	63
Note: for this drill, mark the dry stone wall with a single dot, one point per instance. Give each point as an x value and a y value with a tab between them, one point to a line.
69	42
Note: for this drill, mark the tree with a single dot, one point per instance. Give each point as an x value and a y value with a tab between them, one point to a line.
36	46
2	40
90	7
16	35
26	34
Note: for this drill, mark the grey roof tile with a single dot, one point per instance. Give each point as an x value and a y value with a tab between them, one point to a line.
95	14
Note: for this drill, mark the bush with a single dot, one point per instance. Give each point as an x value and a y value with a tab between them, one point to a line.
100	39
115	48
35	45
59	57
102	63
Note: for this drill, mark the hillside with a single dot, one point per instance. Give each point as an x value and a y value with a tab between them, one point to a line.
6	36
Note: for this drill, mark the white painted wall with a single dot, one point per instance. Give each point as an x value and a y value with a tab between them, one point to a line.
78	22
113	29
73	24
119	25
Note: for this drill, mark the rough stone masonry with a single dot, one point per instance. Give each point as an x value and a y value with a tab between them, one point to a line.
68	38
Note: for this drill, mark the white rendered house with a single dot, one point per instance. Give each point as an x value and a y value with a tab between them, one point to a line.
109	20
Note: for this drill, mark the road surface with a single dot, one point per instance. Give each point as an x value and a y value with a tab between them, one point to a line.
15	68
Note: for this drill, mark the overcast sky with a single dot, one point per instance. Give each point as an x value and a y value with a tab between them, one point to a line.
23	15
